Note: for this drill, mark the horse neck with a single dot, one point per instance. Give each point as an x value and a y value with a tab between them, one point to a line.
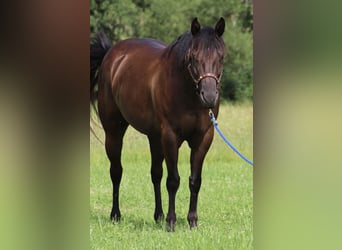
179	85
176	53
179	82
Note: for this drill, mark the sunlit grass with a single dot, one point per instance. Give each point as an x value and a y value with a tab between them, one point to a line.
225	206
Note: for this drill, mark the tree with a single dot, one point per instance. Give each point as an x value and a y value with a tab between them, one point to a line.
166	20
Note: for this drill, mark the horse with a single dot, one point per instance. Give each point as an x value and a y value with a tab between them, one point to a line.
165	92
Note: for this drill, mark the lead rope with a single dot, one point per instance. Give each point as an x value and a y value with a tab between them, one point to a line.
213	120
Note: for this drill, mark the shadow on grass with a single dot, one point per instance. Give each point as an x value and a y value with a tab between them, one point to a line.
137	223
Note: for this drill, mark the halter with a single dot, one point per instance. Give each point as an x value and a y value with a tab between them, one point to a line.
205	75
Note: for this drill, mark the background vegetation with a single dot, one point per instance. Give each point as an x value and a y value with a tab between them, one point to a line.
166	20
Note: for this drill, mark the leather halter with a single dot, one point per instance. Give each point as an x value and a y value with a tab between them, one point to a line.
205	75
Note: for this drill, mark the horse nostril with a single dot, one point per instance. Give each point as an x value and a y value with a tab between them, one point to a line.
202	92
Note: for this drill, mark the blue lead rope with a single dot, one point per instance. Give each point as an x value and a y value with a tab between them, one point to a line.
213	120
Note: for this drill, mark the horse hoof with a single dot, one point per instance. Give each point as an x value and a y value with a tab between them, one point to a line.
192	220
115	217
170	227
159	217
193	224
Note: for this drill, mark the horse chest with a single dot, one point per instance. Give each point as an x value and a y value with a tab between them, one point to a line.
189	124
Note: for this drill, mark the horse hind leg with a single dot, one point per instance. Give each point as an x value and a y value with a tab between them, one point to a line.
157	158
114	138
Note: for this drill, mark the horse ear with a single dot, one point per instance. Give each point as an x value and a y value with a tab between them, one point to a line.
220	25
195	26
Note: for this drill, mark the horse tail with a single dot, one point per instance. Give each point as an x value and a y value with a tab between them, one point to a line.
98	49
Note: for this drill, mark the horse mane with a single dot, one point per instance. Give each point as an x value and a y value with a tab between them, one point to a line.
180	46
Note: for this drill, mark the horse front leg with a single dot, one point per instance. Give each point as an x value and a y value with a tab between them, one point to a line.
198	153
170	149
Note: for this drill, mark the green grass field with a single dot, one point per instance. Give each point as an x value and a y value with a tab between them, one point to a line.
225	205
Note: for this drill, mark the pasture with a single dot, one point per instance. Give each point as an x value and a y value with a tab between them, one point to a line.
225	206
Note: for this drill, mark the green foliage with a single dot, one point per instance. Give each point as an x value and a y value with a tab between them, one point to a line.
118	19
166	20
238	78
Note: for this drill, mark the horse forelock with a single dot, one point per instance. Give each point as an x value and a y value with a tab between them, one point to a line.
207	43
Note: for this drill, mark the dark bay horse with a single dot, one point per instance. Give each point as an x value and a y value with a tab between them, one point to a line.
165	92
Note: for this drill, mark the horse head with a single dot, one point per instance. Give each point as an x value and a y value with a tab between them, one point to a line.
204	61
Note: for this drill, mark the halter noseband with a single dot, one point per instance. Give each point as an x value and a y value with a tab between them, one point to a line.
205	75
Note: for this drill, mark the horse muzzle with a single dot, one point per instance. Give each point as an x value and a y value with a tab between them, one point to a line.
208	92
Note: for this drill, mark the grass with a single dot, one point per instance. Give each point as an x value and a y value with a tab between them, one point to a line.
225	206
